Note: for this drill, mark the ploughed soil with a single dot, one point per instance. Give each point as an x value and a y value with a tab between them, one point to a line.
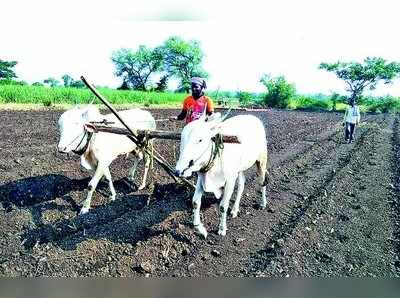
333	208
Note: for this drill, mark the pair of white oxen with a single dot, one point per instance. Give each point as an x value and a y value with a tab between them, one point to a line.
217	171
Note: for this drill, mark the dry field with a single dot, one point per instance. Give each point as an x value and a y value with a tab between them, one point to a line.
333	208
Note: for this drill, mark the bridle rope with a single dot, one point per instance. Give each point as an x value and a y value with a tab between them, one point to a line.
87	135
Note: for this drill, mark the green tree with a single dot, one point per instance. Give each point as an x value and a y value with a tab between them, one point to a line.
162	84
71	82
77	84
279	91
136	67
182	59
359	76
52	82
6	69
67	79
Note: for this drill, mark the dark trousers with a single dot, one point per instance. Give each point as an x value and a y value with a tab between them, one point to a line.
349	131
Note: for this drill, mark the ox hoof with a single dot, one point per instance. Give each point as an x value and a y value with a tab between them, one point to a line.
234	213
141	186
222	232
201	230
263	206
112	197
83	211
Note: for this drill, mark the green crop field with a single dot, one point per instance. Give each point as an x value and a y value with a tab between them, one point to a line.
46	96
61	95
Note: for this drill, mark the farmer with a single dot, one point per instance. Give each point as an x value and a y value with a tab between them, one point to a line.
351	119
194	105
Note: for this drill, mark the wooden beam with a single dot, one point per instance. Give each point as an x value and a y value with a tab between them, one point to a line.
157	134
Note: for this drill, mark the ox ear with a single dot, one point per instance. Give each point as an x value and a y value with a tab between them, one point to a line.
91	113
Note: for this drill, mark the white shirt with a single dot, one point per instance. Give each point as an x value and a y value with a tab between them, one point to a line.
352	114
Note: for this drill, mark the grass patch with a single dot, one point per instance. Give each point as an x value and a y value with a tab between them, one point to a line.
309	103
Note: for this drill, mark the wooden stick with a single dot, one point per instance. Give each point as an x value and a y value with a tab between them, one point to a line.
158	134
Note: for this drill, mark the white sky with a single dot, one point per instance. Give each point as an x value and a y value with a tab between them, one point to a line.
241	39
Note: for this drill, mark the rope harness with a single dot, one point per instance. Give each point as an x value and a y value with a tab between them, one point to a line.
217	146
88	136
83	149
143	142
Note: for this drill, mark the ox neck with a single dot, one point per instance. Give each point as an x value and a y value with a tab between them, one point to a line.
83	144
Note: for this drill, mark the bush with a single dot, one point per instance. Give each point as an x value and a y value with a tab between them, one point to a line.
336	99
309	103
279	91
382	104
47	102
321	105
244	98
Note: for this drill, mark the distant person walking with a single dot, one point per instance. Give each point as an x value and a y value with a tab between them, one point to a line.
351	119
196	104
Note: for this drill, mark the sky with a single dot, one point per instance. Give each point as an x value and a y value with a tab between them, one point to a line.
241	40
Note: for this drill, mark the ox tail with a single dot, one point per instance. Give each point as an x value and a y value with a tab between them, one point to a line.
262	170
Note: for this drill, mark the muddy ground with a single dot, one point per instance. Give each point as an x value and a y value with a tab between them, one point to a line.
333	208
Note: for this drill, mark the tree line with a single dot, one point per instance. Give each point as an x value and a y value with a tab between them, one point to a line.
150	69
7	76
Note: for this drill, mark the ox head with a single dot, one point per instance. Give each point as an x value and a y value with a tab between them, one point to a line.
71	126
196	144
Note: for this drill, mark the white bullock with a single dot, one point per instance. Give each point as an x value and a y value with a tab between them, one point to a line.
220	165
98	150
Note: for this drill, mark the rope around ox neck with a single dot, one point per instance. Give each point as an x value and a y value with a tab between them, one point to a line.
217	147
81	151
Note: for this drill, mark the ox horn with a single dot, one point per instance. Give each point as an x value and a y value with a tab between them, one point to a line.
226	115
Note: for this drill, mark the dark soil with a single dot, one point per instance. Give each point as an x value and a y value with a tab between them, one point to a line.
333	208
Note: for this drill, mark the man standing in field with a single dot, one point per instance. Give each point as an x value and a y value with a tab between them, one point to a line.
195	104
351	119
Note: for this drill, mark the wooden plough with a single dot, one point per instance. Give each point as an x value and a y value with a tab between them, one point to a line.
140	137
